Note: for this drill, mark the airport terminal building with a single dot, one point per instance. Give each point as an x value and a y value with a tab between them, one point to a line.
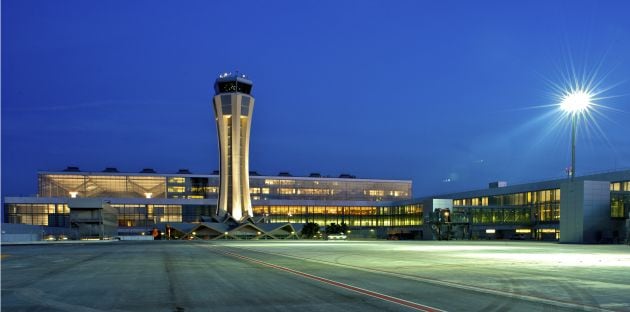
597	205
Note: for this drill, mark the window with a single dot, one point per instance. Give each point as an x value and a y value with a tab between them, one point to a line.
616	186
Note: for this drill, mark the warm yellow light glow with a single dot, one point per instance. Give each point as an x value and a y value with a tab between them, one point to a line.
576	101
148	195
74	194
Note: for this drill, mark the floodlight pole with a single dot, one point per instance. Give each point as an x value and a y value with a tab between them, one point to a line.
573	122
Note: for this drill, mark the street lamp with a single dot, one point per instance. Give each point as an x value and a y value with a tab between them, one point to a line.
574	103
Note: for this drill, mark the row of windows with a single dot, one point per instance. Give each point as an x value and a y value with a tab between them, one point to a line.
337	210
516	199
77	185
541	213
406	215
59	185
37	208
623	186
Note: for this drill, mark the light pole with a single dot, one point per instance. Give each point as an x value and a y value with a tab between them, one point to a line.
575	102
573	145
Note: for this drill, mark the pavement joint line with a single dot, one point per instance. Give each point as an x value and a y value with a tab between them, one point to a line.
403	302
558	303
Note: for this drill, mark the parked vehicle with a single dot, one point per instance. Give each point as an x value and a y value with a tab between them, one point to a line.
339	236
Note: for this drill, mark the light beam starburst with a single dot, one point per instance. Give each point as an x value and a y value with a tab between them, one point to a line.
578	96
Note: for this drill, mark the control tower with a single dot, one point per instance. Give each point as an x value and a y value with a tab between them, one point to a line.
233	108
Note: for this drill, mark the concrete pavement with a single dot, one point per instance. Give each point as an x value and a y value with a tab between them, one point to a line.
315	276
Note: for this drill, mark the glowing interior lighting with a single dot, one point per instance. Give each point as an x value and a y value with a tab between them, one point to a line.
576	101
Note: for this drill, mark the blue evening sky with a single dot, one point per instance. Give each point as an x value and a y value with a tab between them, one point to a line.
439	92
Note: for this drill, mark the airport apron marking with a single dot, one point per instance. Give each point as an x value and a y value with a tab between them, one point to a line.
403	302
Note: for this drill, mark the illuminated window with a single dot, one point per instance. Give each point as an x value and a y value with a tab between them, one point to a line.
376	192
176	189
616	207
176	180
279	182
616	186
286	191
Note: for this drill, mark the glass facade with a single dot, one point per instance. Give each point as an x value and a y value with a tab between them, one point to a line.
620	199
130	215
147	215
101	185
57	215
200	187
354	216
264	188
525	208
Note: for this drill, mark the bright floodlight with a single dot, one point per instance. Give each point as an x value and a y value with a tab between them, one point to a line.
576	101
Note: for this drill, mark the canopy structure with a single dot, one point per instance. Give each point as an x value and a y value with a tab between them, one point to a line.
228	230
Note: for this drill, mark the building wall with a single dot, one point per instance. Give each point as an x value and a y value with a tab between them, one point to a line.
129	185
528	211
93	218
586	216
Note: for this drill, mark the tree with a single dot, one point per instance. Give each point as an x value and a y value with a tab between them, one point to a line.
335	228
310	229
343	228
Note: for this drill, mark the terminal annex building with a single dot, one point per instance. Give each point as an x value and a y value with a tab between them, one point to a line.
596	206
235	203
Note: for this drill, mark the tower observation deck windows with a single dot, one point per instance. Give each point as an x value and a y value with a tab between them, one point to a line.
226	104
233	86
245	106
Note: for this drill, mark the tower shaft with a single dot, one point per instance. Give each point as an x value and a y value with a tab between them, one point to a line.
233	111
